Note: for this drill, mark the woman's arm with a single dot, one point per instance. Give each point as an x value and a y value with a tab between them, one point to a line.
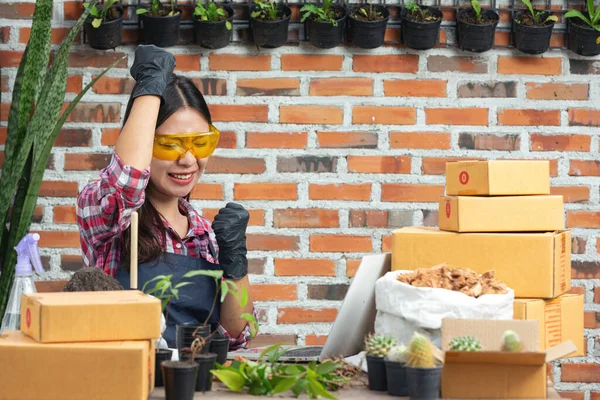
231	311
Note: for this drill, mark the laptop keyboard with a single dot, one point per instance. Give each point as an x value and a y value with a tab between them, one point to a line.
314	351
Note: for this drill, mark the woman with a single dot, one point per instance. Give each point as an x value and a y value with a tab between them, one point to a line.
160	154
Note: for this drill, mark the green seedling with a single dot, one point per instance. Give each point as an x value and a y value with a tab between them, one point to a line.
211	13
321	14
99	16
537	15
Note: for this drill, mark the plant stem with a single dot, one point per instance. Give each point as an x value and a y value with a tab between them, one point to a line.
213	304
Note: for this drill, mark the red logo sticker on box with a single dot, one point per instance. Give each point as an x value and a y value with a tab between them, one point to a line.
28	317
463	177
448	209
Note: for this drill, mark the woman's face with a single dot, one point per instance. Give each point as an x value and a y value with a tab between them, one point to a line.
177	178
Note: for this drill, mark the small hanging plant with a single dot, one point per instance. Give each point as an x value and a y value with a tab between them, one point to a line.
267	11
106	14
321	14
534	17
417	14
474	16
156	10
212	13
592	20
368	13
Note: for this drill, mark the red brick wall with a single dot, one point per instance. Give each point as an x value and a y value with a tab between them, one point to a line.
332	150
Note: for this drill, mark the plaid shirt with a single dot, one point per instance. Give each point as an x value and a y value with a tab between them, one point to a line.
104	210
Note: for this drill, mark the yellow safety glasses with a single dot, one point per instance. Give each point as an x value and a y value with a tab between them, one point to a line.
173	147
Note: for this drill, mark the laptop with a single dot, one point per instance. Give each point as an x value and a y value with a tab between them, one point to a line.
355	319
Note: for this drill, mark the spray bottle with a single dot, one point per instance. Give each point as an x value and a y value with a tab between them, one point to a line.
27	254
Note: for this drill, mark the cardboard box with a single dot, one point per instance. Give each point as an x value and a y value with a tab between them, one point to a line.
497	177
121	370
559	319
534	265
501	213
90	316
493	374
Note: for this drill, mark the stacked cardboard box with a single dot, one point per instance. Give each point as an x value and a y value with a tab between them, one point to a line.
85	345
499	215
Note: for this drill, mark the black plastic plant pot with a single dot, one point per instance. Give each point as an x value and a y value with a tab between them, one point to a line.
476	37
368	34
424	383
160	356
532	39
107	35
219	345
180	379
214	35
582	38
161	31
184	334
206	362
397	383
421	35
377	374
324	35
271	34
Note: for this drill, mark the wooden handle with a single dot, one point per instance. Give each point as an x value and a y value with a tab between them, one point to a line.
133	267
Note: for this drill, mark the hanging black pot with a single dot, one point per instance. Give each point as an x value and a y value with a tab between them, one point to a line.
161	31
582	38
473	35
160	356
180	379
214	35
424	383
219	345
376	373
325	35
368	34
271	34
108	34
421	35
184	334
531	39
397	383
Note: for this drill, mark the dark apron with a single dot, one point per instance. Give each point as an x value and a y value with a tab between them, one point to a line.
195	300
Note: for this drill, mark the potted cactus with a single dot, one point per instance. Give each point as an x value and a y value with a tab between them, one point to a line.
420	26
395	367
532	29
104	25
476	28
213	25
269	22
423	374
325	24
367	25
511	342
377	347
584	31
161	24
465	343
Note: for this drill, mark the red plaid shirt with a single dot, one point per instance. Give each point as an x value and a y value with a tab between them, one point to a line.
104	210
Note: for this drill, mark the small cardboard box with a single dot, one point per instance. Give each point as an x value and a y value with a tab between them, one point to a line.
534	265
501	213
90	316
497	177
559	319
121	370
493	374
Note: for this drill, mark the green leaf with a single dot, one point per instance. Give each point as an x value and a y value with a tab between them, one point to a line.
141	11
284	385
318	389
94	11
224	290
252	322
255	14
269	350
244	297
327	367
551	18
233	380
215	274
300	387
577	14
182	284
96	22
228	25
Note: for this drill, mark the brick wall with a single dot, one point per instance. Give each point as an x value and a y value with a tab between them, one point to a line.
332	150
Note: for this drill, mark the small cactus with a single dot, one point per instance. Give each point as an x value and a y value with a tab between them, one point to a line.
511	342
465	343
398	354
420	352
379	345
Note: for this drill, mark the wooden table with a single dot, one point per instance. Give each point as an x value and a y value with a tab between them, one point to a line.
220	392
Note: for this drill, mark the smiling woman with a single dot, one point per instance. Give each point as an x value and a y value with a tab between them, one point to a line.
161	152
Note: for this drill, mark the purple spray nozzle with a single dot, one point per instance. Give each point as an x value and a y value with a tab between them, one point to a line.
27	254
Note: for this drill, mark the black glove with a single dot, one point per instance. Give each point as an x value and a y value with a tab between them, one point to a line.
230	230
152	68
